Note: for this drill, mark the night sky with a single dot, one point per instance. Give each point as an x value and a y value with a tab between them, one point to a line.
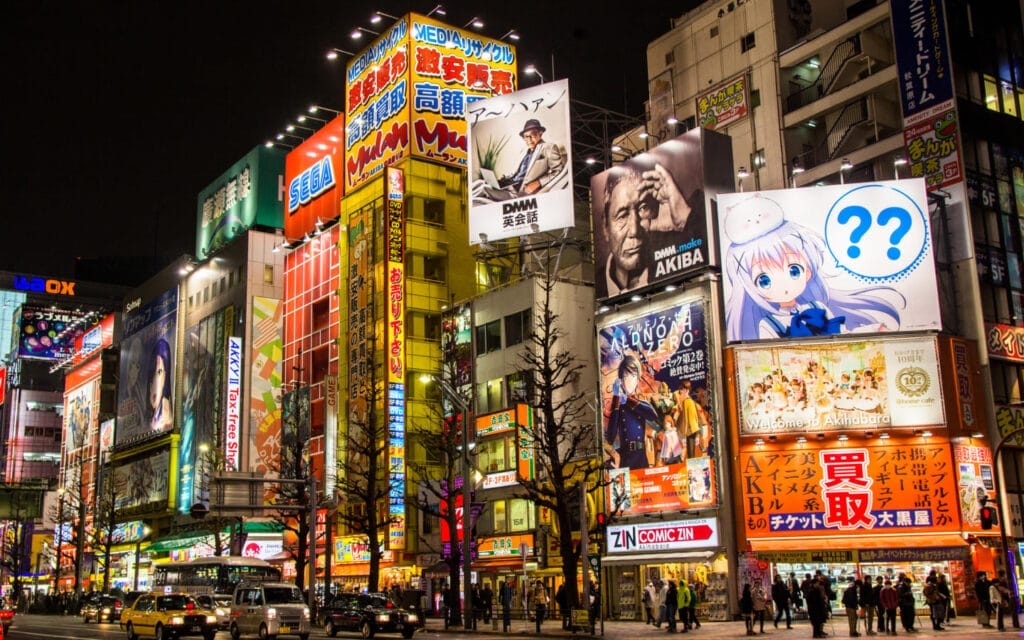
116	114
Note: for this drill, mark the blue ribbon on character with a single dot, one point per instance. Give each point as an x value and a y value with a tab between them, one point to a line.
814	322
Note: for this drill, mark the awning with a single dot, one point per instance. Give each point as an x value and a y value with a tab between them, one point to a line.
262	526
658	558
438	570
864	548
177	541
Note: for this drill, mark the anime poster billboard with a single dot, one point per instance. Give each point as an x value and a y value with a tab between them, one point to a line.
838	385
799	263
650	213
312	171
976	483
49	333
145	395
141	484
202	408
81	418
247	194
888	486
658	434
520	163
408	94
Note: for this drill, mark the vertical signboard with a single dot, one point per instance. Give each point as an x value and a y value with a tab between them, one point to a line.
330	433
520	163
248	193
233	406
3	385
526	464
656	409
145	395
395	357
931	129
264	377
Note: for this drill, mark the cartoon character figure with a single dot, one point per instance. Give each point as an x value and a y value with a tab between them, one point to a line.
779	288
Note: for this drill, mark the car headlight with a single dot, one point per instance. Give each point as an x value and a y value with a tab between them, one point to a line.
221	612
383	617
271	613
105	610
413	618
211	619
305	613
176	620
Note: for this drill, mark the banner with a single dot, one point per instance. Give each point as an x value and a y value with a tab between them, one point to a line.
663	536
828	260
49	333
659	439
838	386
724	104
520	163
265	355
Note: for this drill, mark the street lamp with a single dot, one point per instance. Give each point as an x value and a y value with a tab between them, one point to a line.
138	547
844	166
898	162
533	71
467	566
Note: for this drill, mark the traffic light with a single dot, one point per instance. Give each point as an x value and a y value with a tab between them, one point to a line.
602	522
988	516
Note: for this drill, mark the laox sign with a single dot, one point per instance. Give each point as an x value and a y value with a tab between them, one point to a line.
43	285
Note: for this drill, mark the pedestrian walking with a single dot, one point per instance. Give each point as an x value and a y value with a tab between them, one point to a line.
815	596
505	595
562	600
540	602
684	605
981	591
795	594
906	602
935	600
851	600
782	598
671	605
747	608
697	593
999	596
648	602
868	603
876	593
659	600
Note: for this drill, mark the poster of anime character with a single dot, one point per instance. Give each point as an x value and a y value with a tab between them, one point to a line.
658	438
800	263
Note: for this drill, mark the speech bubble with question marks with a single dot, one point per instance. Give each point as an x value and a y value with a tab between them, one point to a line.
877	232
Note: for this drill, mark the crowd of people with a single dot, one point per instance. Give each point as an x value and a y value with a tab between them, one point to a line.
674	605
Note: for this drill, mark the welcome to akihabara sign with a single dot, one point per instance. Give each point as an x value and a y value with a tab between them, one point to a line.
408	91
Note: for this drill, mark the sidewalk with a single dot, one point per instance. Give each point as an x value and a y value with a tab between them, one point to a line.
634	630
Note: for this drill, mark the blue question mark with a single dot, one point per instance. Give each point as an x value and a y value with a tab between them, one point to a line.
905	222
862	214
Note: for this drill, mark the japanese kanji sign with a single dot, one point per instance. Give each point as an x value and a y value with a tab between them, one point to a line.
900	486
922	55
723	104
408	92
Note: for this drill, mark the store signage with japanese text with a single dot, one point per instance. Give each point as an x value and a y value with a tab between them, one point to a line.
724	104
503	546
395	357
661	536
1005	342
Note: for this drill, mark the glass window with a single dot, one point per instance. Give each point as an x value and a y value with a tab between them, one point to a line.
747	42
434	268
520	387
520	515
500	517
488	337
1009	99
497	453
433	211
991	93
488	396
517	327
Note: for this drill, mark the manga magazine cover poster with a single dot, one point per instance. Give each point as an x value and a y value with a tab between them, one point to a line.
658	434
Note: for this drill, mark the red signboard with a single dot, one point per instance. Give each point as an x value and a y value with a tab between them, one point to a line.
3	385
1004	341
312	177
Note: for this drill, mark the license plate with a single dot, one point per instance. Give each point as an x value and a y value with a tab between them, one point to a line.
399	626
196	629
284	629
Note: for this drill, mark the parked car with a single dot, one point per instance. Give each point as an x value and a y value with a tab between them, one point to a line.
269	609
168	615
369	614
102	608
220	605
6	617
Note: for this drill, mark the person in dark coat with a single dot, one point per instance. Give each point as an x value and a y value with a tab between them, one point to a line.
671	605
817	605
906	602
505	600
851	597
781	597
984	603
747	608
869	603
487	601
561	599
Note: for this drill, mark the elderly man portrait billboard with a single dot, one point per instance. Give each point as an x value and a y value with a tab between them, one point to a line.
520	166
650	213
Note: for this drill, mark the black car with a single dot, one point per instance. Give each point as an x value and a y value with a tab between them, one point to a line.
102	608
369	614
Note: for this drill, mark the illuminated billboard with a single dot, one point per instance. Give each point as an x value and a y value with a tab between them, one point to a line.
142	484
650	213
394	242
838	385
264	383
812	489
724	104
657	416
520	163
247	194
145	395
49	333
828	260
407	94
312	173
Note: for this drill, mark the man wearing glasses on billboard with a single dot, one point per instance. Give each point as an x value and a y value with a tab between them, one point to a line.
643	207
540	166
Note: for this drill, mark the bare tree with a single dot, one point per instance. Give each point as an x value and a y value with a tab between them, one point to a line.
564	437
24	504
295	435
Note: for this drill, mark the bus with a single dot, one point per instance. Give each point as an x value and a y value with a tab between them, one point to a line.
216	575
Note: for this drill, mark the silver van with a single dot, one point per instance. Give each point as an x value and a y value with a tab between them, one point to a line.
269	609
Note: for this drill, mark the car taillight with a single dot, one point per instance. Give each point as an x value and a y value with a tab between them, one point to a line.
390	605
117	603
189	606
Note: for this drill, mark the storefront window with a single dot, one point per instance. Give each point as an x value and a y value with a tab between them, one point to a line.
1009	101
513	515
497	454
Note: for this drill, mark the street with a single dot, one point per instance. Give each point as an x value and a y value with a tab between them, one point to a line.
35	627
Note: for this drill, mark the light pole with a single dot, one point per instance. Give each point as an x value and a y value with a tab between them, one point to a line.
1004	515
138	547
467	566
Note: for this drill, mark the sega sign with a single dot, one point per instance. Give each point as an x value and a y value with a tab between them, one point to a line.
44	285
310	183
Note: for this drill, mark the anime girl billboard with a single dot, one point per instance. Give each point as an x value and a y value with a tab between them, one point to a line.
801	263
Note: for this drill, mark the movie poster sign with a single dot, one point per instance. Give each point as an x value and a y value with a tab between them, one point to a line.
657	423
520	165
723	104
901	488
838	259
145	395
650	213
838	385
81	418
